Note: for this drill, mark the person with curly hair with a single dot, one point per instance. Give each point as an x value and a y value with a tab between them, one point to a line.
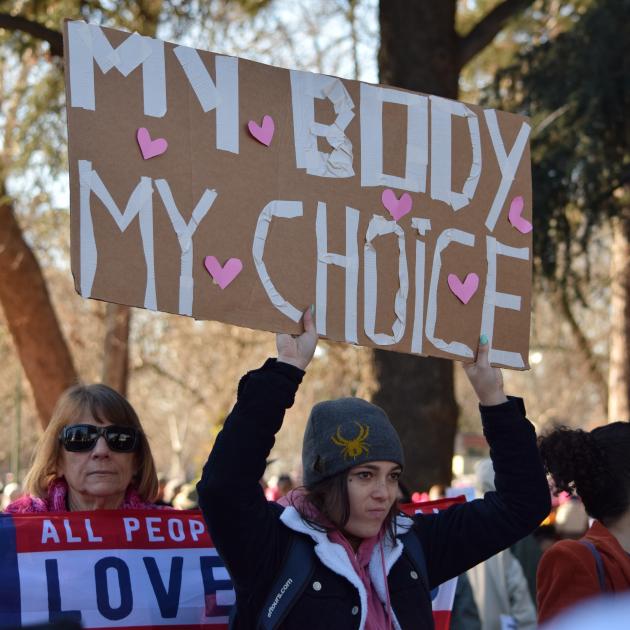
595	466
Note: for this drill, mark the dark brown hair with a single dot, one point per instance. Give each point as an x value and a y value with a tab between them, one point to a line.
594	465
330	498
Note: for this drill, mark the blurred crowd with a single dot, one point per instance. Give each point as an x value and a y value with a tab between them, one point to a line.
178	493
95	455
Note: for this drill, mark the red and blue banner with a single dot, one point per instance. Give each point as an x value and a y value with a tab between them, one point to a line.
112	569
132	569
442	597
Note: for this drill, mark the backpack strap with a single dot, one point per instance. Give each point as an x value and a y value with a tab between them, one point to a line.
599	563
297	568
412	547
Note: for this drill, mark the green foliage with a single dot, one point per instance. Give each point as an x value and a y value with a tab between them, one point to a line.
540	23
250	6
576	88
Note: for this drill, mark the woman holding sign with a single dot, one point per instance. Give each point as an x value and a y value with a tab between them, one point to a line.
341	556
93	455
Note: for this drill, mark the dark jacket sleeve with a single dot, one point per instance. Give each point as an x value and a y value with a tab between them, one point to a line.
466	534
243	525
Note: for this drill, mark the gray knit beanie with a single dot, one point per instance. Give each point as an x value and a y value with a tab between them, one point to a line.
344	433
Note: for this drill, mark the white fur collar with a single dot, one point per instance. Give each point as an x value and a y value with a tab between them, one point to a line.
392	550
334	556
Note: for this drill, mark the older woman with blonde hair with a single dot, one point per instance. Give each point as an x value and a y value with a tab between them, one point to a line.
93	455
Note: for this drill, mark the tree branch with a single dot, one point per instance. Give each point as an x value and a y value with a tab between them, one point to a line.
585	347
487	28
200	399
11	113
39	31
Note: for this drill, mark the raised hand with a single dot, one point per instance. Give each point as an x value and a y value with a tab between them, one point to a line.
485	379
298	350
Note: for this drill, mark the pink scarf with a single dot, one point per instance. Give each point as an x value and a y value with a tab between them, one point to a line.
55	500
377	617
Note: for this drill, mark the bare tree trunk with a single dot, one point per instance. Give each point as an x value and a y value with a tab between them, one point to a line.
31	319
419	46
421	51
116	356
418	395
619	370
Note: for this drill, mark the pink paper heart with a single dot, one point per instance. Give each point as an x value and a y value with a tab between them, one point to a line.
463	290
515	218
223	275
396	207
150	148
263	133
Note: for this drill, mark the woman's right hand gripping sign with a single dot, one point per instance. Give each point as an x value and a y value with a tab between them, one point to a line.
485	379
298	350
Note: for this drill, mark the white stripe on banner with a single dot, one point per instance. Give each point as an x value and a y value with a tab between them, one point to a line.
134	587
445	595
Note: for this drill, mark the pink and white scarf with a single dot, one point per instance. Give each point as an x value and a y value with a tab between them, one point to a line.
56	500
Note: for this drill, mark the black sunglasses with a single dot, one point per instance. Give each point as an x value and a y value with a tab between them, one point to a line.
79	438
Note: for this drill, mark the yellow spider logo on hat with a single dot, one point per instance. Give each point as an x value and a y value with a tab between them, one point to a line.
356	446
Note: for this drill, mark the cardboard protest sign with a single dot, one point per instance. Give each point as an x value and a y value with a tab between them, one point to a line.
112	568
224	189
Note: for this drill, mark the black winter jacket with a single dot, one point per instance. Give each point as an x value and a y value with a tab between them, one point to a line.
252	538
